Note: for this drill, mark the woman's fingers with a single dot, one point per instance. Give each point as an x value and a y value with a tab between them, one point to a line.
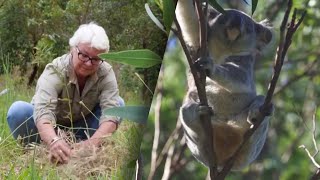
61	151
55	158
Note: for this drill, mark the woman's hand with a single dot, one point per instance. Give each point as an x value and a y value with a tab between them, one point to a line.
85	144
59	151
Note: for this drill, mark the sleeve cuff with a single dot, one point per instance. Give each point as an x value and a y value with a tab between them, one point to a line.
114	119
50	117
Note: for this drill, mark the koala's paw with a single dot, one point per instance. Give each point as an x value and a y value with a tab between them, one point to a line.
269	110
253	113
204	110
206	64
188	112
191	112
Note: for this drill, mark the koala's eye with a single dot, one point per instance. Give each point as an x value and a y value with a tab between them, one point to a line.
222	19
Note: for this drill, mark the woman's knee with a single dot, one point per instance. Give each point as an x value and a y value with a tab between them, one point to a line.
19	111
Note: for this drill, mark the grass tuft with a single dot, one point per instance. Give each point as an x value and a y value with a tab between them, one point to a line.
115	159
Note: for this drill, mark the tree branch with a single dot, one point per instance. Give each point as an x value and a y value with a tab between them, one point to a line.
316	176
139	168
199	77
310	156
180	165
285	41
178	155
156	125
167	168
172	138
206	119
200	80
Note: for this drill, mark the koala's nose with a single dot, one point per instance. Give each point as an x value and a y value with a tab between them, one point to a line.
233	26
233	21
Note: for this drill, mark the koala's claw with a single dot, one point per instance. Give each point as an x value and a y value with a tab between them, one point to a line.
253	113
204	63
204	110
268	111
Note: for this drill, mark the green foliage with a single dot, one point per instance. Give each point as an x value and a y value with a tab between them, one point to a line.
16	164
254	6
174	82
138	114
44	52
41	33
143	58
38	31
168	14
296	100
14	37
217	6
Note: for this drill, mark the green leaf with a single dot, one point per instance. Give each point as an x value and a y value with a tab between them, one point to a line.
141	58
168	13
217	6
153	17
254	6
138	114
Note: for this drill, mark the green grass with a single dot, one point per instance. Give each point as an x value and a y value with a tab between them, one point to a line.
16	163
10	166
15	93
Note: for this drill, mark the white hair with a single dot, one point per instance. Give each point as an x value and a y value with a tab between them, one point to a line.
90	33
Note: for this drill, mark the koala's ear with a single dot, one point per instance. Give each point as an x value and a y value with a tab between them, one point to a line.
264	35
212	13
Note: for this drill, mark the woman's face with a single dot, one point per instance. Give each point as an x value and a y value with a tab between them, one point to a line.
85	60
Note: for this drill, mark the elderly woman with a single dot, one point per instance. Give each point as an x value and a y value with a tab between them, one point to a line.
71	92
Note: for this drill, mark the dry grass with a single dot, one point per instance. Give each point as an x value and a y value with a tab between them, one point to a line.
115	159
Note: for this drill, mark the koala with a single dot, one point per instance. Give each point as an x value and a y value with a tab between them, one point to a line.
234	40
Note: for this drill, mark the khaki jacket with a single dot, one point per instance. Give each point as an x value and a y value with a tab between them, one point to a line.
57	96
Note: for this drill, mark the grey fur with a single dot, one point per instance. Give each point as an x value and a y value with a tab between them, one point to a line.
234	39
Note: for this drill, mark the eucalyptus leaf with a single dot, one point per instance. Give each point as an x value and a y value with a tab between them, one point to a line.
246	2
141	58
217	6
138	114
254	6
153	17
168	14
